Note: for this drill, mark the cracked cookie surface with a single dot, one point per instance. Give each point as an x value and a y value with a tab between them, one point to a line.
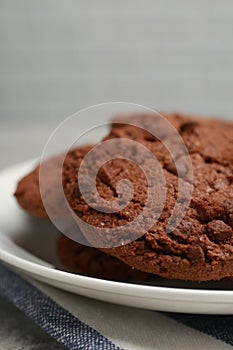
201	247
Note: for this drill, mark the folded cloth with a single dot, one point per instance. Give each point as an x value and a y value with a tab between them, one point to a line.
81	323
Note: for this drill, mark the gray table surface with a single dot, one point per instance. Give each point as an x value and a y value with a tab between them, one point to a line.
18	332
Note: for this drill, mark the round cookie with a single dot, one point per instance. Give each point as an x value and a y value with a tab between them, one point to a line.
201	247
91	262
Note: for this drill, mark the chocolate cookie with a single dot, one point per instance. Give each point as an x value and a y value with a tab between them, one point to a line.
75	257
28	191
201	247
91	262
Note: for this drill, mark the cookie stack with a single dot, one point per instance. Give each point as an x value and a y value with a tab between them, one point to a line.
199	248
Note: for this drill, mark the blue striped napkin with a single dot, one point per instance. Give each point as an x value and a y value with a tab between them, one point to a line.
81	323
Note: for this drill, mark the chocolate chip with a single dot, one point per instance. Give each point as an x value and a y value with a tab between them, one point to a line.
188	126
218	231
195	254
171	167
184	230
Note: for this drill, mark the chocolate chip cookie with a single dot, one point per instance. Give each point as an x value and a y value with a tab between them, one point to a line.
201	247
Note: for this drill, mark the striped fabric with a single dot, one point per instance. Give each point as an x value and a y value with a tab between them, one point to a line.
72	332
55	320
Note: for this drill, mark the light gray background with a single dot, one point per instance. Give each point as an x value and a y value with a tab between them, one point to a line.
59	56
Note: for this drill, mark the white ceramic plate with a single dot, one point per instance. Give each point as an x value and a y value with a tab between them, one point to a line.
29	245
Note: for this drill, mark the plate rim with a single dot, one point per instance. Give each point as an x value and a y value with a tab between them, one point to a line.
164	293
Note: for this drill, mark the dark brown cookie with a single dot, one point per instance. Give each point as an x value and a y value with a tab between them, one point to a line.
201	247
75	257
91	262
28	190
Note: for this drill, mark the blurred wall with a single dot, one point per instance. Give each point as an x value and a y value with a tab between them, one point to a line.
59	56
